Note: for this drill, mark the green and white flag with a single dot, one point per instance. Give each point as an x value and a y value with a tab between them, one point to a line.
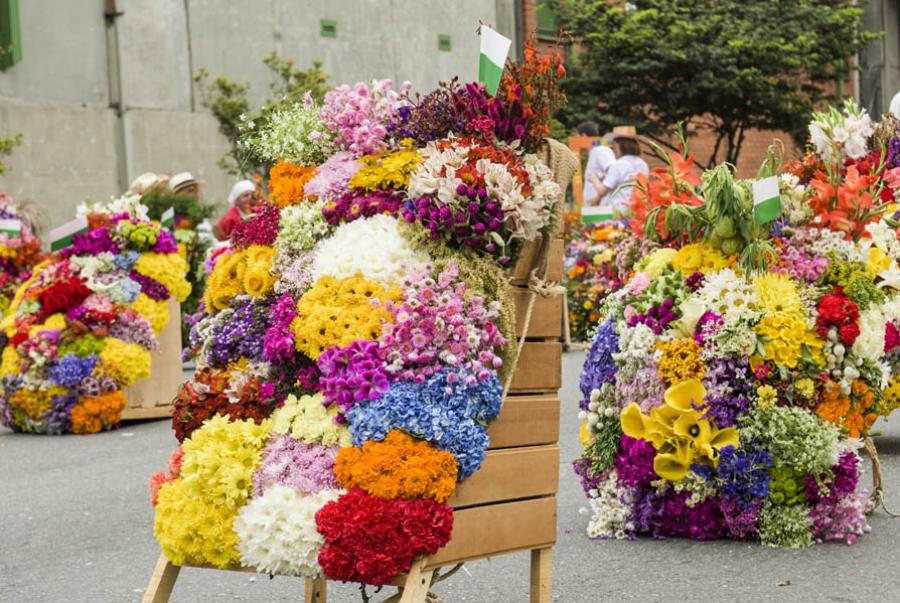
167	220
766	200
595	214
62	237
11	228
494	50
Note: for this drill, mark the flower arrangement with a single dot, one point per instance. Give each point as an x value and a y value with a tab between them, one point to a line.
81	328
20	250
349	353
728	386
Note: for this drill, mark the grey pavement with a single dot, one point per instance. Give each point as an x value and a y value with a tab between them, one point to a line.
76	527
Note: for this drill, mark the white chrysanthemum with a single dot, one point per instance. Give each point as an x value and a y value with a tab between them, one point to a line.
870	343
277	531
611	510
300	227
828	241
372	247
724	291
129	203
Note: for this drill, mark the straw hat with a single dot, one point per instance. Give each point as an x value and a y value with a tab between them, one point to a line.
618	132
182	180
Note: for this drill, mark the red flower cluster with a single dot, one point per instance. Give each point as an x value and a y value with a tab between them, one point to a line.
891	337
837	310
62	296
193	405
260	229
371	540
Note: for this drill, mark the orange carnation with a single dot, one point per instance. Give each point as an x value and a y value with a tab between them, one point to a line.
398	467
853	415
287	181
91	415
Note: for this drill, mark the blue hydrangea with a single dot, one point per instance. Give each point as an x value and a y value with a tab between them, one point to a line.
448	410
126	291
126	260
599	366
70	370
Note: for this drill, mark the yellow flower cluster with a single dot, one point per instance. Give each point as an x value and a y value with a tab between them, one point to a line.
698	257
338	312
778	293
658	261
678	432
386	170
156	312
190	530
55	322
680	361
766	397
307	419
124	362
784	337
9	361
245	271
34	403
890	397
167	268
220	458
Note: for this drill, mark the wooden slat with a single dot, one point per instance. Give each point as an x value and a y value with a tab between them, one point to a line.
511	474
546	316
539	368
138	413
160	388
526	421
528	258
502	528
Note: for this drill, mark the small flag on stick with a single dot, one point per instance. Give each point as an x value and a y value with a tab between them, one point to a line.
167	220
766	200
62	237
596	214
11	228
494	50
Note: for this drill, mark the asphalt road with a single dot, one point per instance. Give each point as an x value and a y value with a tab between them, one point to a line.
76	527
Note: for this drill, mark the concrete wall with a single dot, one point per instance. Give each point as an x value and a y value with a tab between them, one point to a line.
102	100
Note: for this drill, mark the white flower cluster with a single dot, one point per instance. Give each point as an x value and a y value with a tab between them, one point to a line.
793	200
611	510
839	134
372	247
128	203
296	134
602	409
724	292
277	531
301	226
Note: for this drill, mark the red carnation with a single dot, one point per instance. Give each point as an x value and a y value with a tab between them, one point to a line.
848	333
837	310
62	296
891	337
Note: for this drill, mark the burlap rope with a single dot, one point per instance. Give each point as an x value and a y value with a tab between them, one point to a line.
877	478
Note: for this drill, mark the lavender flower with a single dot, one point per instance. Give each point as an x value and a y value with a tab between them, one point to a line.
69	370
728	381
307	468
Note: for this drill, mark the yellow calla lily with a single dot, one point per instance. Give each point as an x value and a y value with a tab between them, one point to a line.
633	421
718	438
684	395
586	438
674	463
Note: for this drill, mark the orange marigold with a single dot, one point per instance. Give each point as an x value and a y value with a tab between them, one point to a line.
398	467
680	361
91	415
852	414
287	181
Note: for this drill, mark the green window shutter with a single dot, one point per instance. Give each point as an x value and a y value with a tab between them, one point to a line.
10	34
547	28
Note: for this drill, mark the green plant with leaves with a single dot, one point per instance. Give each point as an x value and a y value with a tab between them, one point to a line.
727	66
7	144
229	103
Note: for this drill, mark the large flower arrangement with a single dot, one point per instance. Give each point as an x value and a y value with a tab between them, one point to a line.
19	252
728	386
80	330
351	351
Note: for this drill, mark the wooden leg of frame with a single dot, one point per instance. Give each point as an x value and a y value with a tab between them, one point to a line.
417	582
162	581
316	590
541	575
567	328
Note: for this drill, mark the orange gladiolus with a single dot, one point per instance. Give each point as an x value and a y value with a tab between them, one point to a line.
663	187
843	210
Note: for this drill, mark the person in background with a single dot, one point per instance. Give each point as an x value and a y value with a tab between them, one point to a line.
185	184
614	190
599	159
243	200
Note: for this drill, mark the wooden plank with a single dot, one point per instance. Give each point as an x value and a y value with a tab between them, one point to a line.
166	375
490	530
541	575
539	368
521	272
162	581
138	413
316	590
526	421
418	580
546	316
511	474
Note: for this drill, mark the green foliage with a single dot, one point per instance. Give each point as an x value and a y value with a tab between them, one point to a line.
159	199
230	105
727	66
7	144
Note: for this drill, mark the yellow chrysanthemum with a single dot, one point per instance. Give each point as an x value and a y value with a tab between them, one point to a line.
258	280
890	397
306	418
777	293
167	268
156	312
785	336
386	170
766	397
56	322
698	257
124	362
8	324
34	403
9	361
658	261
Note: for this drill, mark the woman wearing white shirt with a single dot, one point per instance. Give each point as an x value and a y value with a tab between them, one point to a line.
615	189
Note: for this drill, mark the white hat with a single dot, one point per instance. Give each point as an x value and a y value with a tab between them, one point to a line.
240	187
183	180
144	182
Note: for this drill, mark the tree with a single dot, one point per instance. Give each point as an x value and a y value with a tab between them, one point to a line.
723	65
7	144
228	102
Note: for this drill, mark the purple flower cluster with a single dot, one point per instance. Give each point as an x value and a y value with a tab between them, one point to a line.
728	382
599	367
70	370
743	474
740	520
131	327
352	374
241	336
658	318
307	468
93	242
702	521
695	281
707	325
844	479
165	242
589	479
278	341
362	204
634	462
59	418
95	386
150	287
893	151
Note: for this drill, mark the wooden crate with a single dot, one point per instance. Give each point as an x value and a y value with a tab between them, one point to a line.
152	397
528	257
